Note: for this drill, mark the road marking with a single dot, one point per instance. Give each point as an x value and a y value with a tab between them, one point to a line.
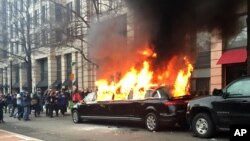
6	135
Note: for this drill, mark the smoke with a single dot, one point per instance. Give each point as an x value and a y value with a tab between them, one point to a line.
109	48
171	25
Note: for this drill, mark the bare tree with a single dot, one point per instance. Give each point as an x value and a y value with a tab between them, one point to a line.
30	35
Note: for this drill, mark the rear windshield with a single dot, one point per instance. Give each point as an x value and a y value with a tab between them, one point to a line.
166	91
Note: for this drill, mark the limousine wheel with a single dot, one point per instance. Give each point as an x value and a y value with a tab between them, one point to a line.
76	117
202	125
151	122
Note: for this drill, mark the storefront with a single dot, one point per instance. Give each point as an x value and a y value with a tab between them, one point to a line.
234	64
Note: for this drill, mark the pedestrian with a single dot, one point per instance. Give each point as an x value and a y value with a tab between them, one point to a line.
8	102
26	105
56	105
2	104
76	97
63	102
19	101
51	102
14	106
40	96
35	104
46	100
67	94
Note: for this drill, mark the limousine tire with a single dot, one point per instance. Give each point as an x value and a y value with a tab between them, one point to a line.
202	125
76	117
151	122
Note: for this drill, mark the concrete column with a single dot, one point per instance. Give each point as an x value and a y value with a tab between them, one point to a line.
51	69
23	75
80	70
8	75
36	73
216	70
5	78
74	66
63	65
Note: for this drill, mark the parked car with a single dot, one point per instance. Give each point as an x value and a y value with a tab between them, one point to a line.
159	107
225	107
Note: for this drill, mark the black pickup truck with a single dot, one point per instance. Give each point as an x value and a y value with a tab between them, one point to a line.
158	108
225	107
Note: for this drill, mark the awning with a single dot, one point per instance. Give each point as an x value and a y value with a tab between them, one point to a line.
67	82
42	83
233	56
57	83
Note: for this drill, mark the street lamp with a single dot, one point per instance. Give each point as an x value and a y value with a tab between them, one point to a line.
11	60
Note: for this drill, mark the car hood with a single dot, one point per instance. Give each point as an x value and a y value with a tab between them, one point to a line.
202	101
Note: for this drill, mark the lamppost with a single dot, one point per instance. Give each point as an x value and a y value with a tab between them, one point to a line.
11	61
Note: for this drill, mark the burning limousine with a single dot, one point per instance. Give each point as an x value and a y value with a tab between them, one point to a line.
158	107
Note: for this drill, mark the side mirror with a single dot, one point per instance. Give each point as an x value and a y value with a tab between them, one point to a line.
217	92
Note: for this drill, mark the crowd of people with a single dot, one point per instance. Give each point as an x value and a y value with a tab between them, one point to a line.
21	105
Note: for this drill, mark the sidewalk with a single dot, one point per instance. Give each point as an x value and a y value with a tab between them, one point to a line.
10	136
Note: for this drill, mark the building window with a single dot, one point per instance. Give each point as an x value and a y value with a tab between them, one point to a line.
58	13
68	58
58	36
44	38
17	48
16	29
17	74
21	5
36	40
11	31
69	12
35	17
240	40
44	14
200	86
10	11
58	66
44	69
77	7
11	47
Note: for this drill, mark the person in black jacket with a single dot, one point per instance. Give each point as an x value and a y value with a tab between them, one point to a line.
14	105
2	104
51	102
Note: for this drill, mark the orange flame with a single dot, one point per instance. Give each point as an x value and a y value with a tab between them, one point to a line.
137	81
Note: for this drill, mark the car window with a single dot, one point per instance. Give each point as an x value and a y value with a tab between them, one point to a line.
148	93
155	94
239	88
90	97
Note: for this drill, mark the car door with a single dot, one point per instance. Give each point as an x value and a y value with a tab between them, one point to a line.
222	108
121	108
238	95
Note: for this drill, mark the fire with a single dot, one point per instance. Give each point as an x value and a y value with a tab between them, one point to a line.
135	83
181	84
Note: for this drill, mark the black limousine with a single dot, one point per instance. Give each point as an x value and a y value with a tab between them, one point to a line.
158	108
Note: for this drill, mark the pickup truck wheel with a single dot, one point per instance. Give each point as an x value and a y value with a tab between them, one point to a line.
151	122
202	125
76	117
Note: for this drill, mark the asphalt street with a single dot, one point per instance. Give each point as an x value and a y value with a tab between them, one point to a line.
63	129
